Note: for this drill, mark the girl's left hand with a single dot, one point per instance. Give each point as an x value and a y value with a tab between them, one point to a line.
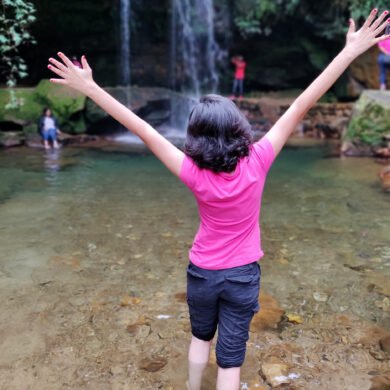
367	36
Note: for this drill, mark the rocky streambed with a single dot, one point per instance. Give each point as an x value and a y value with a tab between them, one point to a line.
92	274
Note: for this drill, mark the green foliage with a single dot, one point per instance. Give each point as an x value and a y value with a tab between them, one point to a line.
359	9
16	17
370	126
327	17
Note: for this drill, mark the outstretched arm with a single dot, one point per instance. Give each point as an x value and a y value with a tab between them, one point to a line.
81	80
357	43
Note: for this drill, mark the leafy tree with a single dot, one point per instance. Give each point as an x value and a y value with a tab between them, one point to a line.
327	17
16	17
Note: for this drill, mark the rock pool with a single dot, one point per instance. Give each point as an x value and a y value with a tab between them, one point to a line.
92	273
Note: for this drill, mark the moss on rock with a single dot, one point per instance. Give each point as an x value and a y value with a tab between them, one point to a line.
370	122
26	112
67	105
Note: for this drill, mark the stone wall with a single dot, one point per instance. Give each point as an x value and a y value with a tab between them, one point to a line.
324	120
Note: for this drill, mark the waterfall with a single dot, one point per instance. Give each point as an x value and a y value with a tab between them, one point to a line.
125	42
194	50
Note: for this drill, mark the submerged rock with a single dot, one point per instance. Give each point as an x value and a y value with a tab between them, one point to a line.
152	364
320	296
269	315
380	382
275	372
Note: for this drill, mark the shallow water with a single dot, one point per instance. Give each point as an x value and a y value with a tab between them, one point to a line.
92	271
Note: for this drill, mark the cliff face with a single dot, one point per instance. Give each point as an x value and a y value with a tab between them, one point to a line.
92	28
286	59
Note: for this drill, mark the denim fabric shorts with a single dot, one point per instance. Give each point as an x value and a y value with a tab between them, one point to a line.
226	299
49	135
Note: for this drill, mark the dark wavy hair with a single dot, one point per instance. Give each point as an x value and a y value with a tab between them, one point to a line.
218	134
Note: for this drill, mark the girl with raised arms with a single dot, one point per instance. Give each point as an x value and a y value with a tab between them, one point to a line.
226	172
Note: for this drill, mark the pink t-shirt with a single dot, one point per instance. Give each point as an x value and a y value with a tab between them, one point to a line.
385	45
229	208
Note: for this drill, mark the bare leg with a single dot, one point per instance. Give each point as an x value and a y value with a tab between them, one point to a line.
46	144
198	357
228	378
55	144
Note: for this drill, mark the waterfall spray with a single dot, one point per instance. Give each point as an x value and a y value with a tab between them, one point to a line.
194	49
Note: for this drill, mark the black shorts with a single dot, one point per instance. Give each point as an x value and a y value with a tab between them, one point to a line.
226	299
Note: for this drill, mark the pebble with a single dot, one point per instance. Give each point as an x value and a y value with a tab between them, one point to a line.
320	296
116	370
275	373
91	247
384	304
294	318
152	365
128	301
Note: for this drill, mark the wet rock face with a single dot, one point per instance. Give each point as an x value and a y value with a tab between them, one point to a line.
363	74
324	120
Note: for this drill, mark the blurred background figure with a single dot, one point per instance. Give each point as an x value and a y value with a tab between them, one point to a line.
76	62
239	76
384	60
48	129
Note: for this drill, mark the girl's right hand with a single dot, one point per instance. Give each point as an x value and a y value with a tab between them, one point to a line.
368	35
72	76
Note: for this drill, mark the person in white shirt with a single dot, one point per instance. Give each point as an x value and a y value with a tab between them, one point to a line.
48	128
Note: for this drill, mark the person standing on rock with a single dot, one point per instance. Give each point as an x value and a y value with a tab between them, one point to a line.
384	60
226	171
48	129
239	76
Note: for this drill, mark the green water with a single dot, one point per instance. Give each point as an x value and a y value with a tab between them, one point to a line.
80	229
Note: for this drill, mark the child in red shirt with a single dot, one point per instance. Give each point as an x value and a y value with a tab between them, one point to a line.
239	76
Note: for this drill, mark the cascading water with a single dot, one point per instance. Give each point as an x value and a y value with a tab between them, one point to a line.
125	42
193	56
194	50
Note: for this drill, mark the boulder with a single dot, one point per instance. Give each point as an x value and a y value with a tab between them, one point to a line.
156	105
25	113
11	138
370	124
66	104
